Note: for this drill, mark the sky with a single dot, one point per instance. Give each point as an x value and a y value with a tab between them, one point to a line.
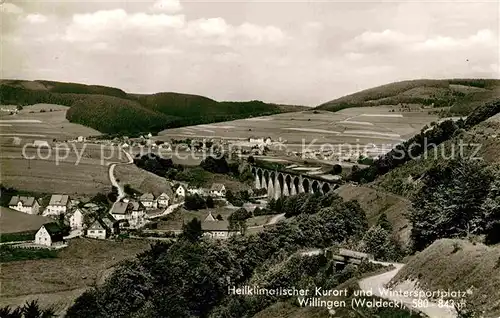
293	52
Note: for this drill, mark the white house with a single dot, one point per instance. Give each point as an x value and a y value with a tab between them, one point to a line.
49	234
120	211
218	190
148	200
217	229
163	200
97	230
138	213
194	190
258	140
76	220
58	205
180	191
24	204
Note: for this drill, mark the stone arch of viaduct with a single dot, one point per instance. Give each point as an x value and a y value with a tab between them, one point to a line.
280	184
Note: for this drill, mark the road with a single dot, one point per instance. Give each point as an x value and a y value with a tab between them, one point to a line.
271	221
377	284
112	178
167	211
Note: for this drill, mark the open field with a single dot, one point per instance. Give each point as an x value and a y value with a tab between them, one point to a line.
67	168
47	125
12	221
45	176
83	263
363	125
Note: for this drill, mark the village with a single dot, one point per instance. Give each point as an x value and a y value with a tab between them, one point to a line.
72	218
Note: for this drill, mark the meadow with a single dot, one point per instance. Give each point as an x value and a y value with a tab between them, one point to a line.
364	125
75	168
82	264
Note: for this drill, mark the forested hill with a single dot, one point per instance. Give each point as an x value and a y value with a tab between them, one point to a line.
111	110
461	95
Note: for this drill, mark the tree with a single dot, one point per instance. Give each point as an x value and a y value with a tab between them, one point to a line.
194	202
219	217
384	223
337	169
251	160
209	202
491	211
215	165
237	220
192	230
449	203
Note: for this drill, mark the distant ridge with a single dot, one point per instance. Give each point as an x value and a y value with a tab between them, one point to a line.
461	95
113	111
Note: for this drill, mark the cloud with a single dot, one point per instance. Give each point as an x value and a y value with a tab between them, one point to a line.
218	31
10	8
35	18
207	27
170	6
480	39
108	24
378	40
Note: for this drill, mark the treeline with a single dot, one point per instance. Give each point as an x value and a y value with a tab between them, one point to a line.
113	111
395	93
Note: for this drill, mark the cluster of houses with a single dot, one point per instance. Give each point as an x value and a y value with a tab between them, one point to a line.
128	213
217	190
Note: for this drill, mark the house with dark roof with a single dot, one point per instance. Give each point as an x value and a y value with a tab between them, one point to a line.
121	211
217	229
23	204
218	190
58	204
49	234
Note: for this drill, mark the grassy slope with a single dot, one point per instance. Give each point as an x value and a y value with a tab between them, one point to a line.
485	134
12	221
111	110
462	95
375	202
60	280
459	265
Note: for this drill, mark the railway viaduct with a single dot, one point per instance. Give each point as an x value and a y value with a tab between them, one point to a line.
280	183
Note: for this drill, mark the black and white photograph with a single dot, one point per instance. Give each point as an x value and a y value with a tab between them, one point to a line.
250	158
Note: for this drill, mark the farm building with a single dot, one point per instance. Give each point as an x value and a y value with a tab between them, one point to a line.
218	190
24	204
58	205
49	234
163	200
217	229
